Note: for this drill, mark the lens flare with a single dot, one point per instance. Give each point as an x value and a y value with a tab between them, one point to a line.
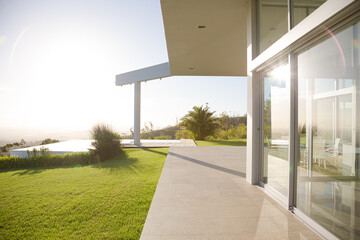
333	37
2	39
356	43
15	46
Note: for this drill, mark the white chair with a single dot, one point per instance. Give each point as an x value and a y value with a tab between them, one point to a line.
335	151
319	150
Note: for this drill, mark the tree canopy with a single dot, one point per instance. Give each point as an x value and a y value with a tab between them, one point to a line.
200	121
49	141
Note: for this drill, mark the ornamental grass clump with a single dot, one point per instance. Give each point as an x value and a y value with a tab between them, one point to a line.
106	142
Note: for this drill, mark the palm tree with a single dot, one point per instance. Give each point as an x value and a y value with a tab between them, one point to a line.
200	122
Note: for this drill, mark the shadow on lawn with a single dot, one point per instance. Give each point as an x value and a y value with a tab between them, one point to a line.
35	170
154	151
29	171
117	163
124	162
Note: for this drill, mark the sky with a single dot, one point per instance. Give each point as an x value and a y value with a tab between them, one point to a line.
58	61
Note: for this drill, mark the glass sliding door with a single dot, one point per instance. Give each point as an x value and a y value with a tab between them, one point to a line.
276	122
328	178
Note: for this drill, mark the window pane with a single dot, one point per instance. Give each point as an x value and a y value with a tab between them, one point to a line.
272	22
328	182
303	8
276	122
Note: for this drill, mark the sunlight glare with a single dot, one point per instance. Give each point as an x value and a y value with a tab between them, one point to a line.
281	74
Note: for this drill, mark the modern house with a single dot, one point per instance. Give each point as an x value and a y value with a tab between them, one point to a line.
301	59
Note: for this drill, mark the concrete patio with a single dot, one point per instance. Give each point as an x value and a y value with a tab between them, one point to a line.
202	194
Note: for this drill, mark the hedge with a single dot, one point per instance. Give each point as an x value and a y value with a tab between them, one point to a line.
47	160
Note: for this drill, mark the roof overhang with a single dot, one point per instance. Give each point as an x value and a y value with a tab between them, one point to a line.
203	37
144	74
206	37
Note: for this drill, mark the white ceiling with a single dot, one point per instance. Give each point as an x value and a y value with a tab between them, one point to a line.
219	49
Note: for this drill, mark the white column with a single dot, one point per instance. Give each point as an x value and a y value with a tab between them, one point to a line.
254	146
137	99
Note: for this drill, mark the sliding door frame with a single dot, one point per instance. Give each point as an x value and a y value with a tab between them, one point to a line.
346	12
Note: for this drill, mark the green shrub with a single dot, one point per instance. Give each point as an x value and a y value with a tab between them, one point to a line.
164	137
241	131
4	149
184	134
47	160
35	152
107	142
210	138
49	141
232	133
148	131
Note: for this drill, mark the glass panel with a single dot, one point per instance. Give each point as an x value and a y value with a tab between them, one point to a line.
276	122
328	176
272	22
303	8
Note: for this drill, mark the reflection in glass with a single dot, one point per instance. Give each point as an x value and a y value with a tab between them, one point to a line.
328	176
273	18
303	8
272	22
276	121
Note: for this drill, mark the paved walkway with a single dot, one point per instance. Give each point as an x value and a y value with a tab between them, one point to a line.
202	194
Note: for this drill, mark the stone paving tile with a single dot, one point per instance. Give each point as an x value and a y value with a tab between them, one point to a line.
202	194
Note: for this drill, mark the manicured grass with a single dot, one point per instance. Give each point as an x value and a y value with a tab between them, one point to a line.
109	200
237	142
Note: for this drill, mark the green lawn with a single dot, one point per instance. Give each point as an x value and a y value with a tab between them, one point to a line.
103	201
237	142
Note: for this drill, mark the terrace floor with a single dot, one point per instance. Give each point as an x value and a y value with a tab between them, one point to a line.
202	194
